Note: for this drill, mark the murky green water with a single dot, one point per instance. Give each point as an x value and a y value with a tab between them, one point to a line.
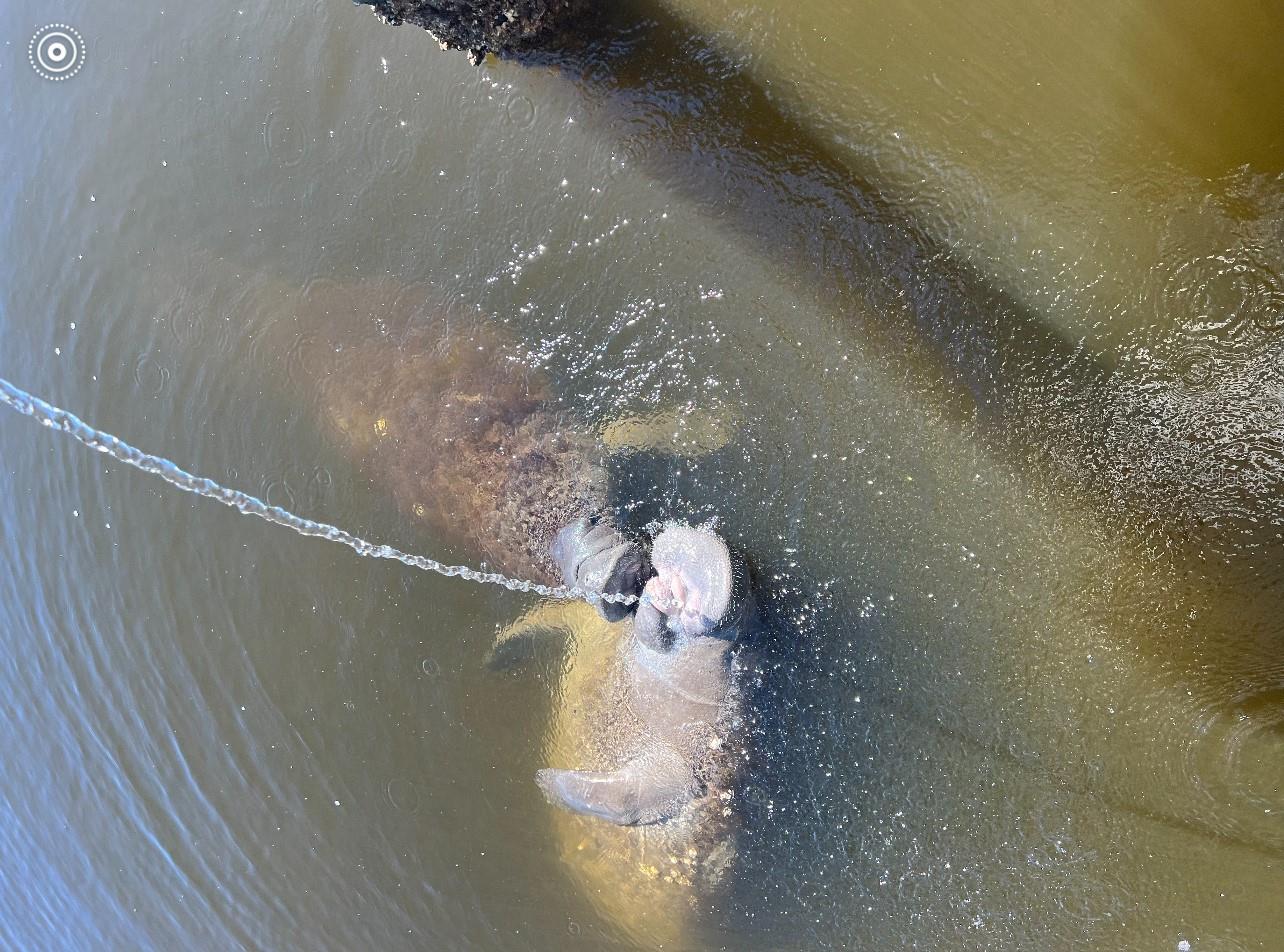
993	300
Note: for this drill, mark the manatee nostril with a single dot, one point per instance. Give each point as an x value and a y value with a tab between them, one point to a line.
660	593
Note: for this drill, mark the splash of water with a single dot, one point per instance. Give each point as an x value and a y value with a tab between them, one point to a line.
58	419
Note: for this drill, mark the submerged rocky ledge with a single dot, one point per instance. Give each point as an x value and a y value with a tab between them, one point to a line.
478	27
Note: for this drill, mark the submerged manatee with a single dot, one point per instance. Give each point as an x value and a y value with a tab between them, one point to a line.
648	740
644	738
673	683
466	444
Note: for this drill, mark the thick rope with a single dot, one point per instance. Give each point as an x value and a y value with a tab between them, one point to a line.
58	419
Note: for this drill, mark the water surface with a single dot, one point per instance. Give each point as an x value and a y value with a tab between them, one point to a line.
990	303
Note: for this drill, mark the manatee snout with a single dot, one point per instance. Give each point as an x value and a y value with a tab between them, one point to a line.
675	676
593	556
694	583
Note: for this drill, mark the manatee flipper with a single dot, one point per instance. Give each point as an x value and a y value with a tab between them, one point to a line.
687	430
525	646
648	789
547	626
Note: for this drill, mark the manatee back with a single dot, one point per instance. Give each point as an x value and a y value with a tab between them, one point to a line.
460	434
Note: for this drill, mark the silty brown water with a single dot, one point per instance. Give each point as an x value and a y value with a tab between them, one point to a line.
1004	455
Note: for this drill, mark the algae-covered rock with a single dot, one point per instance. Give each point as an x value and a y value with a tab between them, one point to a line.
478	27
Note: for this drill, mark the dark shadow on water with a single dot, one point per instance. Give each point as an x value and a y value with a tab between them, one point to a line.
669	102
841	792
848	768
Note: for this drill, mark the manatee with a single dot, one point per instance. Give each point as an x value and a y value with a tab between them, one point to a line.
672	685
646	744
643	744
443	416
447	418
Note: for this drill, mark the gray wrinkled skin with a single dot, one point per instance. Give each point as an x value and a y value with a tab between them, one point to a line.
594	557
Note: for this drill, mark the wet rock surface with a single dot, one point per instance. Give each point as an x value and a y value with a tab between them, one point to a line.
478	27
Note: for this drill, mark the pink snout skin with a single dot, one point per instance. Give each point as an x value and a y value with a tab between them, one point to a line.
675	596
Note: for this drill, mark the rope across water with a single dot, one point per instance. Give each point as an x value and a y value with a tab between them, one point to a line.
58	419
